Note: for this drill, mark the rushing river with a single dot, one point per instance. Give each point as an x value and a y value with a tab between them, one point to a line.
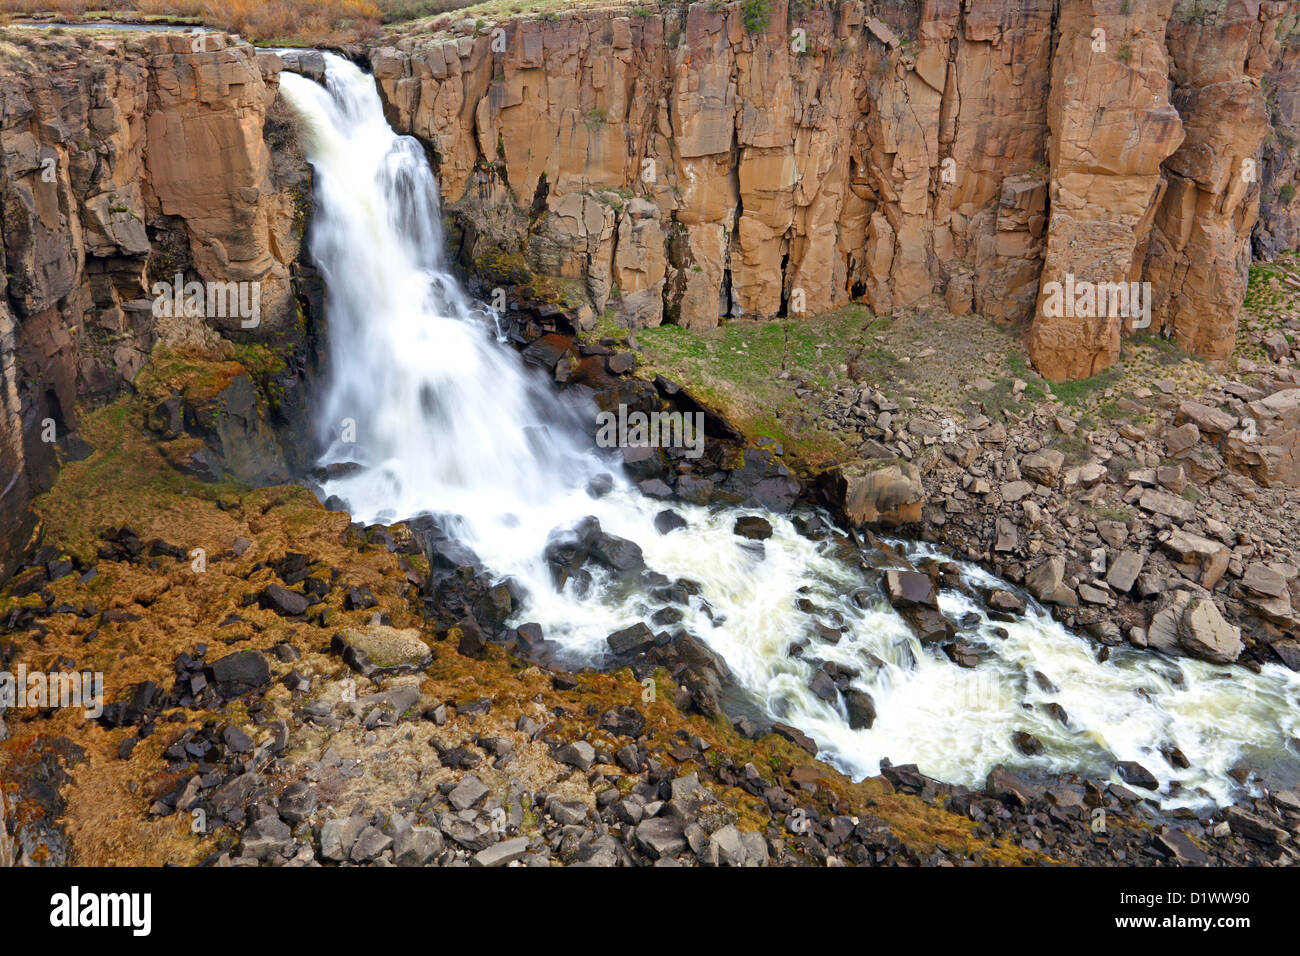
442	417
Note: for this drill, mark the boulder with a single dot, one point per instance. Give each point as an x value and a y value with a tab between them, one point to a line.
875	492
282	601
631	640
1210	556
753	527
1046	579
910	589
624	721
796	737
377	649
1004	602
501	854
1264	580
1181	440
660	837
861	709
240	673
579	754
1272	457
1162	630
1124	570
912	594
667	521
1136	775
1210	421
1043	466
1163	503
1203	633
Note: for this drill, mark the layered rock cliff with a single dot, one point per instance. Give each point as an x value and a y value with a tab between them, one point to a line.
750	159
684	164
125	162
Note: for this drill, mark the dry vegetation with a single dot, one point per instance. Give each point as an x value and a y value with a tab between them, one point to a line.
315	22
319	23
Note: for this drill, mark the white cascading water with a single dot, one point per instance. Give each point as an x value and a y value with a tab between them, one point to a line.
448	420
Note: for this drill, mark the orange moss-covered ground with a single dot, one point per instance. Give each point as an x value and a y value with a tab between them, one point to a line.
127	481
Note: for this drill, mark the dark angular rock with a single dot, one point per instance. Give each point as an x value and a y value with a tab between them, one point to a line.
359	599
240	673
1027	744
822	686
472	642
962	654
617	553
796	737
668	520
1004	601
578	754
620	363
907	589
753	528
283	602
626	721
1136	775
631	640
661	837
236	740
861	709
656	488
298	802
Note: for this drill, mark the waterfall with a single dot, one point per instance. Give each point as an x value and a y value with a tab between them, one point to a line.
426	411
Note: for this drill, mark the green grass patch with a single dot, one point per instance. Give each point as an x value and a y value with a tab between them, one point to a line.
751	369
1121	514
125	476
1164	349
756	14
1079	392
1074	447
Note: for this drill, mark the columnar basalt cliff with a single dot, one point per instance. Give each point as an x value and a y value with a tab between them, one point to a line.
125	162
702	163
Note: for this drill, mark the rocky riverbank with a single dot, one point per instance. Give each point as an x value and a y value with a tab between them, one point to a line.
361	702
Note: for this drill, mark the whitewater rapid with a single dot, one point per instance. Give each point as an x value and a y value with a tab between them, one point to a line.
427	411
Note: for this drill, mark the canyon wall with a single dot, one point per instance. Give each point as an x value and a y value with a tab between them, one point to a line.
679	164
124	162
691	164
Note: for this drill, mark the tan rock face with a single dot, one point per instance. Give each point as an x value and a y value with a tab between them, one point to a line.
790	172
1200	243
1278	228
976	150
124	161
1112	127
883	493
208	164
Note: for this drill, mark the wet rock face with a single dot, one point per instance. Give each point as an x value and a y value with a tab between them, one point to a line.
683	168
